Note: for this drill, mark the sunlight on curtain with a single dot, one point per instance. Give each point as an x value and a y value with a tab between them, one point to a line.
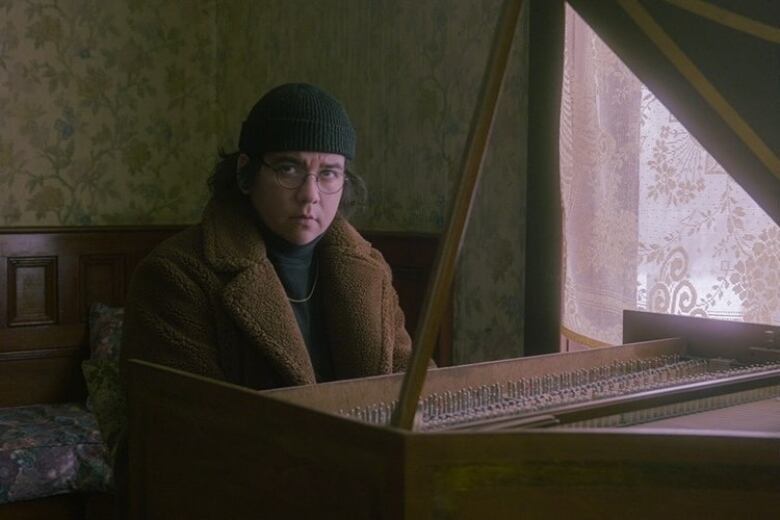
651	220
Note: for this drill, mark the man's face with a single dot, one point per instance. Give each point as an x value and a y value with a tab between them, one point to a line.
301	214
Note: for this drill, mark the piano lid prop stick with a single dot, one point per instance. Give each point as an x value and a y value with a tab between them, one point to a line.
450	244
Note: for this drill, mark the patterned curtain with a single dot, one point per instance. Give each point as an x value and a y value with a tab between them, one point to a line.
651	221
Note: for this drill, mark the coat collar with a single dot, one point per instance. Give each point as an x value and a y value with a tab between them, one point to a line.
232	240
255	298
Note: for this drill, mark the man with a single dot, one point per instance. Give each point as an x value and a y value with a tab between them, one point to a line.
273	287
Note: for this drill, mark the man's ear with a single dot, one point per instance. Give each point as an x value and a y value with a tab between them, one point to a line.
243	160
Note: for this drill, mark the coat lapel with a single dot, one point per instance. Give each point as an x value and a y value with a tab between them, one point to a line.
353	283
253	296
256	300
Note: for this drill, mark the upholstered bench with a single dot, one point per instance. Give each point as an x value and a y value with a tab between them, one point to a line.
52	464
64	448
50	449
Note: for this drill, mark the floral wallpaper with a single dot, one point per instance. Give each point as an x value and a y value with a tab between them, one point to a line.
106	109
113	112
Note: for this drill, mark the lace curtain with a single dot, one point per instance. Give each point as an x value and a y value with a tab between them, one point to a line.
651	220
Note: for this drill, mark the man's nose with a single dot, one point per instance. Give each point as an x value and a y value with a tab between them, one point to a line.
309	190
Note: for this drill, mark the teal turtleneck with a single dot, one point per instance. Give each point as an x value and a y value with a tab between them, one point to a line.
297	269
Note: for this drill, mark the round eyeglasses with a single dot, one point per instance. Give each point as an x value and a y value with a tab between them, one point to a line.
292	176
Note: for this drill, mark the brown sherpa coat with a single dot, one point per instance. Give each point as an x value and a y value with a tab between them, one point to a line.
209	301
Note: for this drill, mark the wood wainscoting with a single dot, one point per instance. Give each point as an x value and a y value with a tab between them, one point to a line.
50	276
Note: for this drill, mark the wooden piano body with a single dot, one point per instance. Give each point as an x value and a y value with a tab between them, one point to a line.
205	449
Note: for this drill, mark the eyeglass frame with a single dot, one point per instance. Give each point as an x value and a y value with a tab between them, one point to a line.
275	170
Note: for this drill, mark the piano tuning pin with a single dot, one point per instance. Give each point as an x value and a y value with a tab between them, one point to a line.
545	391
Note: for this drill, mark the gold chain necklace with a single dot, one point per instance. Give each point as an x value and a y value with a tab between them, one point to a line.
313	286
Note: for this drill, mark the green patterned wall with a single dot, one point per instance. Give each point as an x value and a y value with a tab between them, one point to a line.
112	112
107	111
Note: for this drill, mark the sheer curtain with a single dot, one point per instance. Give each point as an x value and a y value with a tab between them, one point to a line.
651	220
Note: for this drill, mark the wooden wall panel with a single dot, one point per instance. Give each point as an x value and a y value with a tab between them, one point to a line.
412	258
50	277
32	291
103	279
43	376
34	338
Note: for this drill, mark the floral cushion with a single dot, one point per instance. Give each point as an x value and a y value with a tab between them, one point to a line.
106	398
105	331
50	449
101	372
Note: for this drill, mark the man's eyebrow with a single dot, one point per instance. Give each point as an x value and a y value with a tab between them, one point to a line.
333	166
300	162
287	158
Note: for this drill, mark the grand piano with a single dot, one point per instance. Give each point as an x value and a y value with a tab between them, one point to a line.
681	421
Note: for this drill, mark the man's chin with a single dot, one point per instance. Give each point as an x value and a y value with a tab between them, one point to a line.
301	239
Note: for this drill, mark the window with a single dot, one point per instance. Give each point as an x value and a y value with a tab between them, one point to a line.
651	220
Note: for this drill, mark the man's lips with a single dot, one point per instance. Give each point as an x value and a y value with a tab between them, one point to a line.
304	217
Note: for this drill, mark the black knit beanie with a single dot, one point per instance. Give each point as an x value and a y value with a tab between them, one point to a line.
297	117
